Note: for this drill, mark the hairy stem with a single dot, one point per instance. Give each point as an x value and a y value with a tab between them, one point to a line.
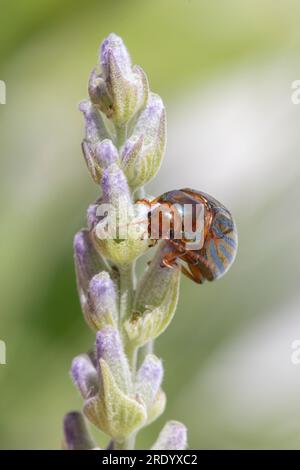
144	350
127	288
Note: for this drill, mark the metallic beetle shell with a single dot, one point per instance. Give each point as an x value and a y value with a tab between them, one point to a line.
221	241
220	235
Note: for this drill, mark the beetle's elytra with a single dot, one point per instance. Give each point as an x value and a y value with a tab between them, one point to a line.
219	235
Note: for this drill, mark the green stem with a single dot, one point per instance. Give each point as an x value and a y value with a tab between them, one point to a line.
139	194
127	287
132	354
144	350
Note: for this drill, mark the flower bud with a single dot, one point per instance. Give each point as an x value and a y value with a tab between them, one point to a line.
102	302
115	187
113	47
87	260
84	375
98	92
114	409
120	90
88	263
148	380
155	301
144	149
76	435
172	437
109	348
106	153
158	407
95	132
113	235
115	413
91	215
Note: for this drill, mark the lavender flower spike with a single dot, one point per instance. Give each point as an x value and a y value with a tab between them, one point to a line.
123	146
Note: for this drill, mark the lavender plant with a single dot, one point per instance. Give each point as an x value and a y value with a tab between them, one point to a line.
120	380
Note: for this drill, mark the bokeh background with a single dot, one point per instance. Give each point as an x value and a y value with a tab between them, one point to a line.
224	70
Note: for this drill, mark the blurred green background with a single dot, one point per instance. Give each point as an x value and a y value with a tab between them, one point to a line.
224	70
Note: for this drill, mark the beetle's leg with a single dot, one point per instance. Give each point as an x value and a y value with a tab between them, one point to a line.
196	259
169	259
194	274
195	262
143	201
194	271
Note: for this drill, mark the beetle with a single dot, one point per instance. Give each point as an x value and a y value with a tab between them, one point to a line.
218	249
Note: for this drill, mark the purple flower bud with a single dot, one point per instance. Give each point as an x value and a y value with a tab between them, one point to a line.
76	435
109	347
87	261
114	186
144	149
151	122
99	94
149	378
106	153
121	90
95	130
102	301
91	216
172	437
84	375
113	47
